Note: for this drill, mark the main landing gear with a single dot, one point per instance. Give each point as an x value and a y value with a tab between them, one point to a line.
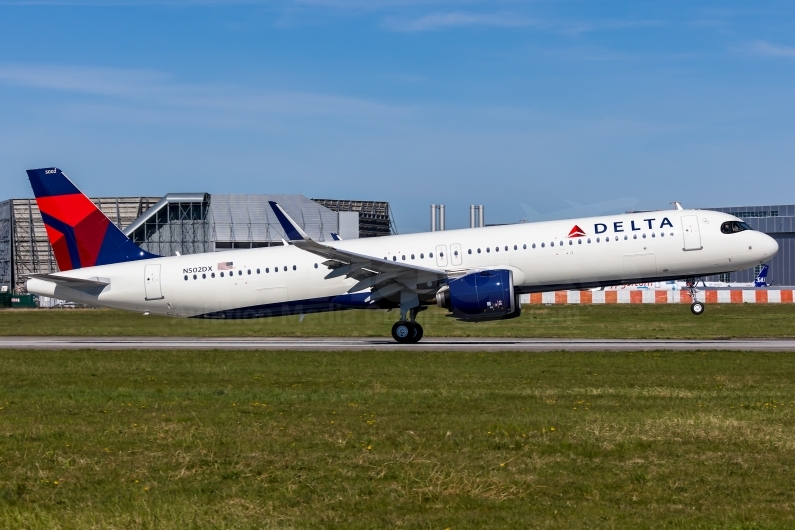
697	308
407	330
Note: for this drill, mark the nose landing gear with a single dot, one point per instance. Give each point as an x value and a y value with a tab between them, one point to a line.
697	308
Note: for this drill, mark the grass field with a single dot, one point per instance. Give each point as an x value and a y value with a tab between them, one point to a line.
593	321
217	439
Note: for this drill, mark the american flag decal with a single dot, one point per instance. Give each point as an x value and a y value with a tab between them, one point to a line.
226	266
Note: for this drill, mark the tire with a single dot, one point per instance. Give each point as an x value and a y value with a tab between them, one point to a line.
418	332
402	332
697	308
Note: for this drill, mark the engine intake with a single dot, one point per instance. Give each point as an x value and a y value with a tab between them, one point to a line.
480	295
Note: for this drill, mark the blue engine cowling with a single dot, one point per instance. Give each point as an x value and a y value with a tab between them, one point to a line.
481	295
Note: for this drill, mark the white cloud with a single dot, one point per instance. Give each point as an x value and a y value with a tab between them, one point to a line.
158	88
770	50
440	21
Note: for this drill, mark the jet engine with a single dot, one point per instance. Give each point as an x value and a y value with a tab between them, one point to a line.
482	295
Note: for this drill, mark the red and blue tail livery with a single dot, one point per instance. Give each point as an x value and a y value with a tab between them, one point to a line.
80	234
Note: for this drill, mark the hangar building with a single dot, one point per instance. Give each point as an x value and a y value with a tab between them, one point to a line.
187	223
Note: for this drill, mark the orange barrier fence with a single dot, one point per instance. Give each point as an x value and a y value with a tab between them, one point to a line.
733	296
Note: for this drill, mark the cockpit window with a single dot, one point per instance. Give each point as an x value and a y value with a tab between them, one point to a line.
730	227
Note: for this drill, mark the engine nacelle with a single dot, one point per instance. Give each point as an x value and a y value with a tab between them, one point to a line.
481	295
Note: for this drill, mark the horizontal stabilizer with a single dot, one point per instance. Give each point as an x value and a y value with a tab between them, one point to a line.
72	283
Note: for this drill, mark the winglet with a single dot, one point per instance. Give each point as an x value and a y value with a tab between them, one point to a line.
335	236
290	227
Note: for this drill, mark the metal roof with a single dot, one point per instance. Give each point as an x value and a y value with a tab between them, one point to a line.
250	217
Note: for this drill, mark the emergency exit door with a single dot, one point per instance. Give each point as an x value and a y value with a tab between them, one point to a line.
152	282
692	237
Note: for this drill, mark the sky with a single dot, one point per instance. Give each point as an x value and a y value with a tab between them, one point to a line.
534	109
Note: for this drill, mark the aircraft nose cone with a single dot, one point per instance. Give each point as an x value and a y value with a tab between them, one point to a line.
769	246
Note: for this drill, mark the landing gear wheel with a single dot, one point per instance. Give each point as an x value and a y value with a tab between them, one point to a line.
697	308
417	335
403	332
406	332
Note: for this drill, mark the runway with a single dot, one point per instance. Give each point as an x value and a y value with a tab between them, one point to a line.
383	344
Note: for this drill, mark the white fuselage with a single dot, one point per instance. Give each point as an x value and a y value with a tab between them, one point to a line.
629	248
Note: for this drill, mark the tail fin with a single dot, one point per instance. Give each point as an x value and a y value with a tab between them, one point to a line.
80	234
761	280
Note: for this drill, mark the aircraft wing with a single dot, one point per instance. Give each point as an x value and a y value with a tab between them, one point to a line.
73	283
383	276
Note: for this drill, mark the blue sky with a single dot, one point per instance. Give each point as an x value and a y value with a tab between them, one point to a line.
503	103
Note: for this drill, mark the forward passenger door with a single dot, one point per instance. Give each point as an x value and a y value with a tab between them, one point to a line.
691	233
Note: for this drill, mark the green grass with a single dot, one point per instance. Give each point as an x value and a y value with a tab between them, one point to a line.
218	439
571	321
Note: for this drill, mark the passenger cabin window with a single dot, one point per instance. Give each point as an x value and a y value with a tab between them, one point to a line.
731	227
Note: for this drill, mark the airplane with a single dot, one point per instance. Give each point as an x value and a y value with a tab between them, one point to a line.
759	281
476	274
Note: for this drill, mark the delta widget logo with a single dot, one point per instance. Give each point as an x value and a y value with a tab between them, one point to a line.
576	232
